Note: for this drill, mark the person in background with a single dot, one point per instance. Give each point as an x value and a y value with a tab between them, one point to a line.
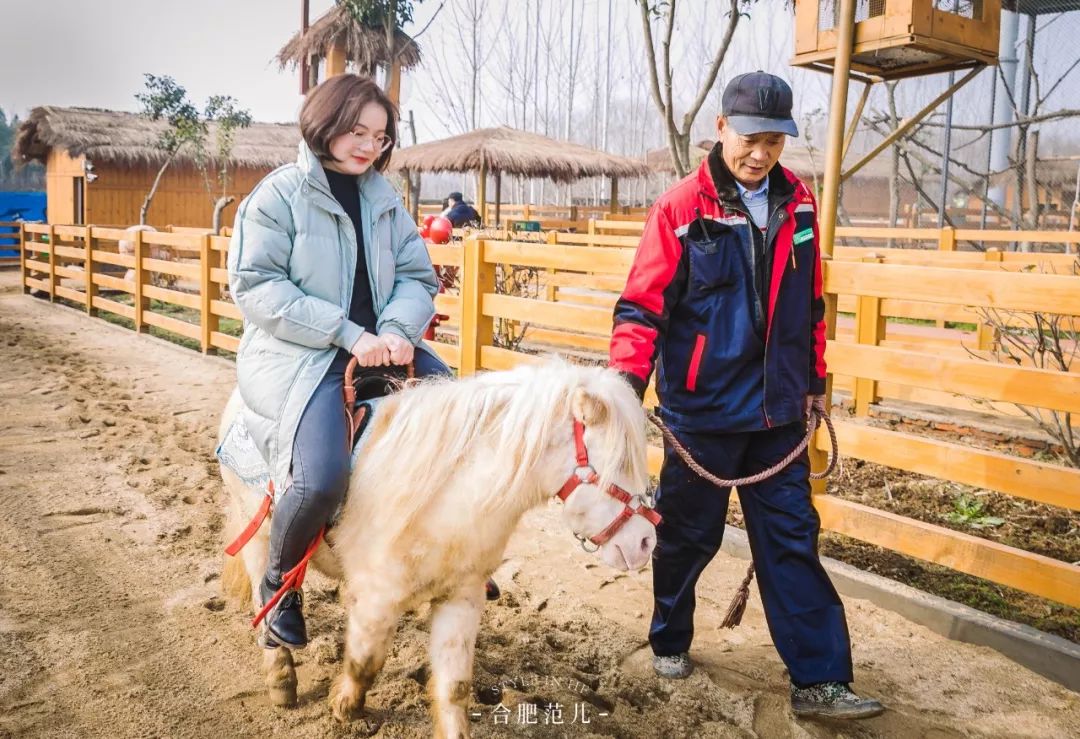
459	212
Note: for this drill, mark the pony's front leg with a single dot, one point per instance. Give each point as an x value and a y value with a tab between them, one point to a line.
279	676
371	626
454	624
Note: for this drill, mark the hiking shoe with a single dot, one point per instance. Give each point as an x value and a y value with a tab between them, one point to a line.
285	623
832	700
491	590
673	667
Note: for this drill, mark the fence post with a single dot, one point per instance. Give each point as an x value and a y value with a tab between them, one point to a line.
551	289
986	333
477	330
52	263
88	271
946	242
947	239
869	330
22	259
141	303
208	292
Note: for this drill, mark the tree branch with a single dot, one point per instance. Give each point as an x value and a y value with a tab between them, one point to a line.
714	70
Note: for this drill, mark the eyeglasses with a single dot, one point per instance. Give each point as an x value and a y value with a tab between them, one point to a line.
380	143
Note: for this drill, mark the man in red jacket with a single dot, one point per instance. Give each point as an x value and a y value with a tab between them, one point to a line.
725	301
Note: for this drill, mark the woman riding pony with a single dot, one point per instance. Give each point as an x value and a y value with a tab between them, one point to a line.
325	264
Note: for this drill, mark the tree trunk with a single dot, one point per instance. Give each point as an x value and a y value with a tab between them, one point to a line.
153	190
219	206
894	156
390	26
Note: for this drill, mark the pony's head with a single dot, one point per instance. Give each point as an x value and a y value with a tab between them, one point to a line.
605	490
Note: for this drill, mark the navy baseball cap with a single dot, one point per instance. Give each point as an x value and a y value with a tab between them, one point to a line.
759	102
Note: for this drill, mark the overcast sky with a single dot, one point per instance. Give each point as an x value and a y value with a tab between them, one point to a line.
94	52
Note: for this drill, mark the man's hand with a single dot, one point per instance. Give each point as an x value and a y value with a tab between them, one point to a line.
371	351
815	402
401	350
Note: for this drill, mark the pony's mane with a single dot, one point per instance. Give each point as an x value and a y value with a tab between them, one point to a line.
430	429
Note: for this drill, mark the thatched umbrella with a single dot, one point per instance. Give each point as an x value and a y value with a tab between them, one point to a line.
508	150
338	32
659	160
128	138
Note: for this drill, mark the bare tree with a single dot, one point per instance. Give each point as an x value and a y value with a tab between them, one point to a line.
663	95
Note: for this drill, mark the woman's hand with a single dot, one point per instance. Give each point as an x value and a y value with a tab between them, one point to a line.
371	351
401	350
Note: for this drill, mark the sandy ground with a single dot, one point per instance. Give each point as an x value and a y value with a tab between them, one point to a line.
112	621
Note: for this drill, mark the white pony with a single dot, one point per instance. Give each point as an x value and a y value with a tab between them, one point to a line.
127	247
447	471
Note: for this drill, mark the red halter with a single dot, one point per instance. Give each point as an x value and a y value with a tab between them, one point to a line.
585	474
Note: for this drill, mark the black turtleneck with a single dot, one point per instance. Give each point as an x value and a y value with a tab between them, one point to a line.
346	190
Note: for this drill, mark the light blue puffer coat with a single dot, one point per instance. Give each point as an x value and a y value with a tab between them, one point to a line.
292	262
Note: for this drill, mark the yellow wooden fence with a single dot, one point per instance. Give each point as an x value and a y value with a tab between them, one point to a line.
78	263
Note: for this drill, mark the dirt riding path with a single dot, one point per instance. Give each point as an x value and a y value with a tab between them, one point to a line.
112	623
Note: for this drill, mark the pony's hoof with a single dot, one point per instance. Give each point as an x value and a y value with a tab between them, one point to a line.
280	677
346	699
283	696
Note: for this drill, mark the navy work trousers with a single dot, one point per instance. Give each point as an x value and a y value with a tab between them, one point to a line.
320	465
804	613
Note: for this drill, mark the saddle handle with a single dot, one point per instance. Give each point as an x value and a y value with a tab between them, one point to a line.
350	386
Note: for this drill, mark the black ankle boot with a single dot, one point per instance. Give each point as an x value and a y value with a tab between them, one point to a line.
285	623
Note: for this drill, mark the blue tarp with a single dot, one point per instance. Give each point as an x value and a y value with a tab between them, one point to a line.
18	206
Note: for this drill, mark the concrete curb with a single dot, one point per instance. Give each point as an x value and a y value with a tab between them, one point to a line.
1048	655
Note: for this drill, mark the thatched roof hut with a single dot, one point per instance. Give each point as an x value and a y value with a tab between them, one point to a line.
505	150
100	164
659	160
128	138
510	151
364	46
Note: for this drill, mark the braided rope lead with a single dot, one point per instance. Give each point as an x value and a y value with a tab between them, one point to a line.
738	604
816	416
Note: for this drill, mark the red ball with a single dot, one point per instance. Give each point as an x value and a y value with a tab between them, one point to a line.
441	230
425	233
428	219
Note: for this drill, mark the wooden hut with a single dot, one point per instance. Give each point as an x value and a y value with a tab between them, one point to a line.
504	150
100	164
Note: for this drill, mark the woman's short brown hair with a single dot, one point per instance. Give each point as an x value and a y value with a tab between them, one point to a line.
333	107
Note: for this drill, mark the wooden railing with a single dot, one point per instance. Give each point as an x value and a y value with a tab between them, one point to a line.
72	263
81	256
479	306
9	241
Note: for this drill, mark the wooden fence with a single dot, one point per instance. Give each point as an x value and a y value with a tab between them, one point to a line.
9	242
74	263
80	263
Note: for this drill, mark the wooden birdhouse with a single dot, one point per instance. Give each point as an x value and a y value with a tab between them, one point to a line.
900	38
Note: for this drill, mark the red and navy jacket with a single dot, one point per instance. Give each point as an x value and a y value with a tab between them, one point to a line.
732	353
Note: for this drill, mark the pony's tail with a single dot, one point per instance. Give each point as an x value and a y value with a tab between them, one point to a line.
235	581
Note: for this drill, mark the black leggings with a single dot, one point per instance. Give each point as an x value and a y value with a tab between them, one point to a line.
320	466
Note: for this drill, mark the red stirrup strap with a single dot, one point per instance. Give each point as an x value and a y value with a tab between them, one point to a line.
249	531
